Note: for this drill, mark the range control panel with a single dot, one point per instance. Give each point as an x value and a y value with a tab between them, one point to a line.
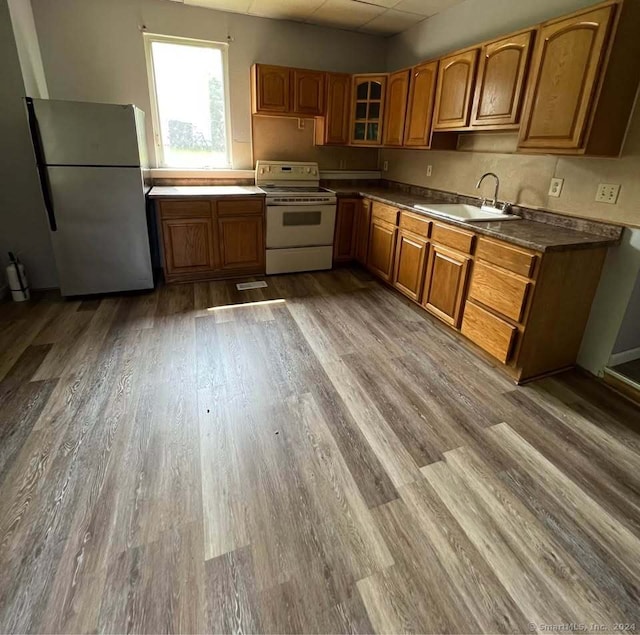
280	172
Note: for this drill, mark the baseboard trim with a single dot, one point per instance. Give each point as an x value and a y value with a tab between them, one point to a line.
622	385
623	357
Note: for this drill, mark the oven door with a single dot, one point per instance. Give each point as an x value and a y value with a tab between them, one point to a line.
300	225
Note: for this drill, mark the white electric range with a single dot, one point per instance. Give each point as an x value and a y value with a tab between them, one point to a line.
301	217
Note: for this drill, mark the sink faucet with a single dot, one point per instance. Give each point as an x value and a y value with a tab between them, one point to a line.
494	202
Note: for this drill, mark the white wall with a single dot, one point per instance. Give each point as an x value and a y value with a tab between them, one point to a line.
23	225
93	50
24	29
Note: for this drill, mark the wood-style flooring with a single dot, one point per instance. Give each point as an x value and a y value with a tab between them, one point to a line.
317	456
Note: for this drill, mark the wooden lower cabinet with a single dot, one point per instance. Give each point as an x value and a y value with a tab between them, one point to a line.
410	265
362	230
188	245
489	332
446	282
344	236
212	238
382	245
241	242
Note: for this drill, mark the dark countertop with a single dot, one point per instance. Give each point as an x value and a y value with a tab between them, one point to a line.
539	236
180	191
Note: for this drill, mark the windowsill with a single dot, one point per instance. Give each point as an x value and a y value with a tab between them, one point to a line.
185	173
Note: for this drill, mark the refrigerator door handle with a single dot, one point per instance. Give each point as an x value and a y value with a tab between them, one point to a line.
41	164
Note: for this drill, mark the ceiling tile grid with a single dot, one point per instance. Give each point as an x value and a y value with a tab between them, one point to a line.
379	17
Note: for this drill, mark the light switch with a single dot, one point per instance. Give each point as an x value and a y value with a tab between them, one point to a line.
385	166
429	170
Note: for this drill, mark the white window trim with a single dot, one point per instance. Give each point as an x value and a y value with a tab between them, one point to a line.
223	47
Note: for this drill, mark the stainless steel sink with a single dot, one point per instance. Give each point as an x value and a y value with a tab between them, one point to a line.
466	213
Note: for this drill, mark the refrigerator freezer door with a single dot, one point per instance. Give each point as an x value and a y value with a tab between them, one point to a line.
82	133
102	241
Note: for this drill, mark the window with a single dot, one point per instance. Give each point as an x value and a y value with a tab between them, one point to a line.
189	98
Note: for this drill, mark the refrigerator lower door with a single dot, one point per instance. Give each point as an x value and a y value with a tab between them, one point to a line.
102	241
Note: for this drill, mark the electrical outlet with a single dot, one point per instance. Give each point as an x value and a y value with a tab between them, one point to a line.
608	193
429	170
555	188
385	166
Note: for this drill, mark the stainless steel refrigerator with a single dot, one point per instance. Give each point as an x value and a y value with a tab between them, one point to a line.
90	159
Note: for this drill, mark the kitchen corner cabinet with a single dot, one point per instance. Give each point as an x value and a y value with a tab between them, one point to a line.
345	230
422	90
333	128
395	109
209	238
499	90
367	115
583	81
454	90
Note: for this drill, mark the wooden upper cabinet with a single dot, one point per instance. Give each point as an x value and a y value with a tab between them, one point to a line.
368	97
395	108
454	91
333	128
272	89
422	90
566	70
308	92
502	73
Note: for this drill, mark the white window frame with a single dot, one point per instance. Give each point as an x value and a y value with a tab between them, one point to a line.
223	47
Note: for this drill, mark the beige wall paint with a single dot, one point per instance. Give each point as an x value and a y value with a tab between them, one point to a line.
93	50
280	139
23	225
525	178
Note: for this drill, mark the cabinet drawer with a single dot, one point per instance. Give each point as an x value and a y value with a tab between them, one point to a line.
511	258
499	290
184	209
452	237
385	212
416	224
240	206
489	332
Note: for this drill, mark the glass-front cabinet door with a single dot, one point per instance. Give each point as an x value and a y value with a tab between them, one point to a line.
368	106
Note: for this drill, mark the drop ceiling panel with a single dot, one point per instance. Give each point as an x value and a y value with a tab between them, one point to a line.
284	9
380	17
425	8
391	22
345	13
234	6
